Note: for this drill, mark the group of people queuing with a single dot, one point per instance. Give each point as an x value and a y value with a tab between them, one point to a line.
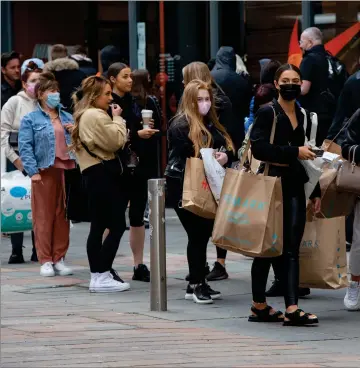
102	132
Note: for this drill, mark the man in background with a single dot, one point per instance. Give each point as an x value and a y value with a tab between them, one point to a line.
10	75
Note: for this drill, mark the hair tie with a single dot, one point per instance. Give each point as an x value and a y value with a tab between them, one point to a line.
79	94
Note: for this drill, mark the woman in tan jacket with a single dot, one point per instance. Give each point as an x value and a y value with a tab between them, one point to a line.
96	139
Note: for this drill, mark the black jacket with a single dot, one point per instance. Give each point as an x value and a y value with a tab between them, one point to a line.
85	64
236	87
284	150
181	147
68	76
348	103
7	91
352	137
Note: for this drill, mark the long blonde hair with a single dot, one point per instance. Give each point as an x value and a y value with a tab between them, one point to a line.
197	70
199	135
84	98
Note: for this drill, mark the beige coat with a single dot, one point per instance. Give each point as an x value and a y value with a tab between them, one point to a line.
101	135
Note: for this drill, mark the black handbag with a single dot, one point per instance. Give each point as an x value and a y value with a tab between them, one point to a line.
14	139
113	167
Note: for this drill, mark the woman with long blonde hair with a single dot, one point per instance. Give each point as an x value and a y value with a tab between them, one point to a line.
194	127
95	139
223	109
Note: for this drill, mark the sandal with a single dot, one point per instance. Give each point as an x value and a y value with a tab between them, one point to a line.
296	319
263	315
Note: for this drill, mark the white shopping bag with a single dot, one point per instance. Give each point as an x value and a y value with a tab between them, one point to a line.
214	172
15	202
314	171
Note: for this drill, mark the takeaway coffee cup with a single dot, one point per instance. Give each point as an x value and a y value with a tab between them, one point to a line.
146	116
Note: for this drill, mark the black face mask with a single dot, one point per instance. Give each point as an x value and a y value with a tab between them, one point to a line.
290	92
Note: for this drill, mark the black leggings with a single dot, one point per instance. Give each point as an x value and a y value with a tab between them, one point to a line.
17	240
107	206
198	230
288	263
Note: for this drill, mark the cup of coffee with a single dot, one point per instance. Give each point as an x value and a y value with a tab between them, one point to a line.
146	116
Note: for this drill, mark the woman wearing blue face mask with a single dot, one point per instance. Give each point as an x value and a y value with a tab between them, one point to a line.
44	137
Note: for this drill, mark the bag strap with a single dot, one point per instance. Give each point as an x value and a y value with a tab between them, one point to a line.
344	127
89	152
272	137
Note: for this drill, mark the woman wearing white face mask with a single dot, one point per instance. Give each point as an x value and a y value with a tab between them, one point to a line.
195	126
44	137
11	114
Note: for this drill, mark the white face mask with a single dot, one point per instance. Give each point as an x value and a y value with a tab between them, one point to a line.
204	107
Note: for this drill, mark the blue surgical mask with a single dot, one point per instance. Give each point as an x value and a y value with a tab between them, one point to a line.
53	100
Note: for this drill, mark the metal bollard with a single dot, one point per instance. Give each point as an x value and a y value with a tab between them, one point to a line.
158	288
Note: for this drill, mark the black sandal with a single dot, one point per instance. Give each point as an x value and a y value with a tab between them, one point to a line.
296	319
263	315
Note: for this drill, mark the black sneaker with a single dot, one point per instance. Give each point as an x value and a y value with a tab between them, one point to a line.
207	271
34	257
276	289
16	259
214	294
218	273
348	246
116	276
201	294
141	273
303	292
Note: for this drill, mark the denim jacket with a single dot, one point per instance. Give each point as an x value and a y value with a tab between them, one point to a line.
37	140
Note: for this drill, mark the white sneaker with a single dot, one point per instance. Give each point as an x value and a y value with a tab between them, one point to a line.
47	270
352	297
61	269
104	283
94	276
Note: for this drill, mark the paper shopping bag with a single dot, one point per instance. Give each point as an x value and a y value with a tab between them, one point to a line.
249	219
197	196
323	254
334	203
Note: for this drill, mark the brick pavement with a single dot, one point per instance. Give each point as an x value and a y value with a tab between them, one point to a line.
56	322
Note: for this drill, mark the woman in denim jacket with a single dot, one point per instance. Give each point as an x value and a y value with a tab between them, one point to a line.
44	137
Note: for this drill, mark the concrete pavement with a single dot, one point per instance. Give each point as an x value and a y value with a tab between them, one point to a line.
56	322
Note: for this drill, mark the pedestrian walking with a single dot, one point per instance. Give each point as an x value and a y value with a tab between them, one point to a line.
195	126
11	115
352	142
283	156
136	172
43	143
95	139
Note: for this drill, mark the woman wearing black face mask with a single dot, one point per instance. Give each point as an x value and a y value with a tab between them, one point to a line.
284	155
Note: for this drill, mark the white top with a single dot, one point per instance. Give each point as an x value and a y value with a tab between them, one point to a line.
11	114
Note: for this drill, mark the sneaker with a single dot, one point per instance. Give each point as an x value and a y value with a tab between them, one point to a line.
115	275
16	259
352	297
94	276
276	289
213	294
47	270
218	273
104	283
207	271
201	295
61	269
141	273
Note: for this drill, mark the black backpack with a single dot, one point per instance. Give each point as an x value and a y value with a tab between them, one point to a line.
337	75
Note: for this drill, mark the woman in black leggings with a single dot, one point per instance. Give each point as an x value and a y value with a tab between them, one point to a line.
284	155
195	126
96	137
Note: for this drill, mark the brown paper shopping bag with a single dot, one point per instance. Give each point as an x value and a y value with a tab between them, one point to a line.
197	196
249	219
323	254
334	203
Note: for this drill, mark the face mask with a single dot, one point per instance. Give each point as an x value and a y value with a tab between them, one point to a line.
290	92
53	100
30	89
204	107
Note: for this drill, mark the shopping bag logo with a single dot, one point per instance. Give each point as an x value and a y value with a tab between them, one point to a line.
18	192
205	185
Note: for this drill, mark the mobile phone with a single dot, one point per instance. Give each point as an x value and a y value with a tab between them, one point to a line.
318	152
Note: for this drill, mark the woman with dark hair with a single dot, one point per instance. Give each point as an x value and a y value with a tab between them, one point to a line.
43	143
11	114
135	174
283	155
